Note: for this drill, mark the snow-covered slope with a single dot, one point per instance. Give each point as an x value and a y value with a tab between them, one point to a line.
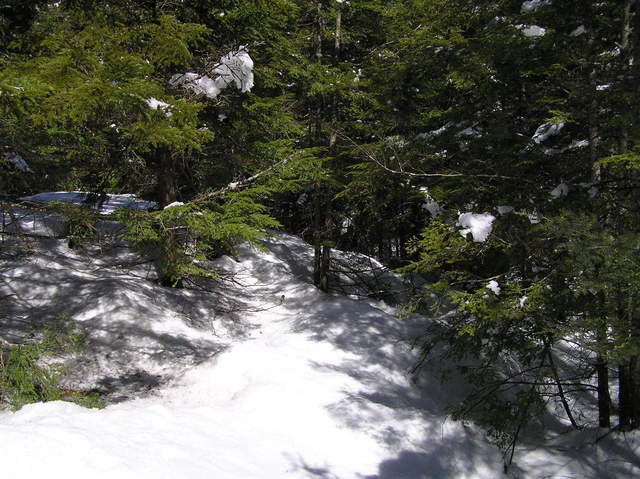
265	378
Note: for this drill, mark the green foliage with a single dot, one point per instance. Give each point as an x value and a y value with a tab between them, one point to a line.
24	381
27	377
625	161
183	237
80	220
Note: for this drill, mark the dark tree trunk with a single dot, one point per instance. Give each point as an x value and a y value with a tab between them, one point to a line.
625	408
604	398
167	178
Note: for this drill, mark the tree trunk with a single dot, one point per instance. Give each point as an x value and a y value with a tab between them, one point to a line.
333	134
604	398
167	178
626	54
624	396
324	268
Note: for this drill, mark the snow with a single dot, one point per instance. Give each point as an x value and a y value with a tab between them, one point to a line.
533	5
35	222
505	210
175	203
468	132
493	286
111	203
262	377
479	225
346	224
17	161
294	384
614	52
534	219
561	190
432	207
235	67
430	204
547	130
156	104
434	133
580	30
532	31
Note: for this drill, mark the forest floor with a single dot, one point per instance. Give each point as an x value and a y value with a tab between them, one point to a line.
255	375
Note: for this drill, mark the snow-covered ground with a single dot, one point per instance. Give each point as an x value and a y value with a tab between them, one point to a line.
262	377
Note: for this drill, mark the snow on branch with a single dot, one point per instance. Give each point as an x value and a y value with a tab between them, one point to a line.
235	67
18	162
479	225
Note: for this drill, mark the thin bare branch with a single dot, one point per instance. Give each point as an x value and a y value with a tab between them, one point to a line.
413	174
239	185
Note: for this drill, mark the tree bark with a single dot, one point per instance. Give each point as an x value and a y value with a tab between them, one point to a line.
167	178
624	396
604	397
324	268
333	135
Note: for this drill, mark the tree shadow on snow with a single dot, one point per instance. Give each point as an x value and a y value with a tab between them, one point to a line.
129	321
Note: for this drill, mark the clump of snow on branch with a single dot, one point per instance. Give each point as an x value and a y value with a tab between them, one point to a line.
18	162
235	67
547	130
505	210
493	286
561	190
430	204
156	104
175	203
532	31
533	5
578	31
479	225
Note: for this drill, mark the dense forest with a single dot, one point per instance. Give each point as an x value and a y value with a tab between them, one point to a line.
490	149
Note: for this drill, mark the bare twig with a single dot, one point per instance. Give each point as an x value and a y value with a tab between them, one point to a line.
413	174
7	344
238	185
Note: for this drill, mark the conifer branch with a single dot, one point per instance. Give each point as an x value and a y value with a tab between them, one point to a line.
239	185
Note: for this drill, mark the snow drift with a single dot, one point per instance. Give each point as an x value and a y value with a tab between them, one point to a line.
264	377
